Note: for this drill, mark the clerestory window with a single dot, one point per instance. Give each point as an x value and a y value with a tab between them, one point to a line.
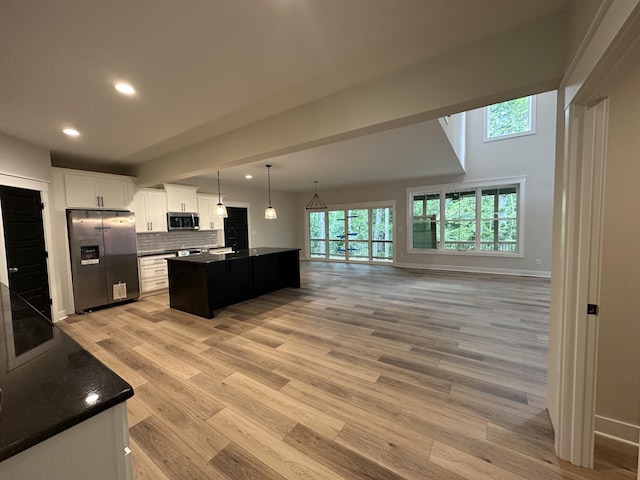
513	118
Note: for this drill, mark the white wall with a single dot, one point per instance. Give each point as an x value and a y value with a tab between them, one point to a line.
22	159
618	380
281	232
25	165
525	59
531	156
454	127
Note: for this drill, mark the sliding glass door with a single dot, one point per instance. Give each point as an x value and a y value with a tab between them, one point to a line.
352	235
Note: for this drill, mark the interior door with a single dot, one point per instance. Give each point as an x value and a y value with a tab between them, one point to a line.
25	247
236	229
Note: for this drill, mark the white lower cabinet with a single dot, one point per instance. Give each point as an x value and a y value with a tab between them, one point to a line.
153	273
97	448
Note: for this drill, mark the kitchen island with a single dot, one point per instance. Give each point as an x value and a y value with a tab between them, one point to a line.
201	284
62	412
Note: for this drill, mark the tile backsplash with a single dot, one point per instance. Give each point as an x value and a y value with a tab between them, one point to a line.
161	241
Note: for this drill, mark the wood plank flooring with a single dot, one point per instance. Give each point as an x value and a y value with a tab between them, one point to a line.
367	372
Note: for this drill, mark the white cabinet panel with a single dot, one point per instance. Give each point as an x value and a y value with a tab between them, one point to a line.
181	198
94	191
113	192
153	273
150	208
206	211
97	448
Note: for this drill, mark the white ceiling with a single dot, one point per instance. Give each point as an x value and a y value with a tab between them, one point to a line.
418	150
203	67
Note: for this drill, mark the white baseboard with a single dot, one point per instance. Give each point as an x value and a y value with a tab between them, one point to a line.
617	430
61	315
496	271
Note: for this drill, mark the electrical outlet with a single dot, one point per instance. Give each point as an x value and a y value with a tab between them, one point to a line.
538	261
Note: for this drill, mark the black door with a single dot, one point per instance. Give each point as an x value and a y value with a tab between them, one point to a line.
25	248
236	229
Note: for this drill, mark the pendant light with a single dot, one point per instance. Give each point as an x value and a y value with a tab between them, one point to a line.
316	202
270	212
220	210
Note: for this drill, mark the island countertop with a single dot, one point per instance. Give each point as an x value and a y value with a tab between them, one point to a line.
48	382
221	257
202	283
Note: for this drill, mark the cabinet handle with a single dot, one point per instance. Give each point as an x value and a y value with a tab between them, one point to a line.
97	200
150	225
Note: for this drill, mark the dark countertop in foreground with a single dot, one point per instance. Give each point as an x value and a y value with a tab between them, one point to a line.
48	382
221	257
149	253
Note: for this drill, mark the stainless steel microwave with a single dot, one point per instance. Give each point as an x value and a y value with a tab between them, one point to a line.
183	221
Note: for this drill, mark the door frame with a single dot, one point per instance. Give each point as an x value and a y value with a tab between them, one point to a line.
609	46
583	178
246	205
45	196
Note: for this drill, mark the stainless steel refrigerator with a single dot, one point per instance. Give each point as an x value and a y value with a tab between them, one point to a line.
104	262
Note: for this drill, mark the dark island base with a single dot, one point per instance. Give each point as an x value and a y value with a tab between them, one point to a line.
203	283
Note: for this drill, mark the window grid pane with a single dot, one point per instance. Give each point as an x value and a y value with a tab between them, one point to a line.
509	118
426	216
484	219
329	239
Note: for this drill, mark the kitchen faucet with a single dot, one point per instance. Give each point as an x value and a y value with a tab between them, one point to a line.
234	242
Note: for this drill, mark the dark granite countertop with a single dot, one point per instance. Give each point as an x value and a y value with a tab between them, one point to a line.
150	253
48	382
223	257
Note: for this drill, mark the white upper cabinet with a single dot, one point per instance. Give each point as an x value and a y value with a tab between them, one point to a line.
150	207
206	212
97	191
181	198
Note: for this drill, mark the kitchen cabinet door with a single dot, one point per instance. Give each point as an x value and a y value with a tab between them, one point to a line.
157	210
181	198
239	279
206	211
81	191
113	193
91	191
262	274
151	212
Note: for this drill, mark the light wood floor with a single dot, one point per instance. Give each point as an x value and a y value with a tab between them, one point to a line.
367	372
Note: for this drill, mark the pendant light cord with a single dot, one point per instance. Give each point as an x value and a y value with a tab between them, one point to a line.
219	197
269	181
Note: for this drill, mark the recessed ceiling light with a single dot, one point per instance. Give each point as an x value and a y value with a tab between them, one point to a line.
71	132
248	177
125	88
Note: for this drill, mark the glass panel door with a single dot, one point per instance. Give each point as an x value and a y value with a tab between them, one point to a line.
337	235
317	234
382	234
358	235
